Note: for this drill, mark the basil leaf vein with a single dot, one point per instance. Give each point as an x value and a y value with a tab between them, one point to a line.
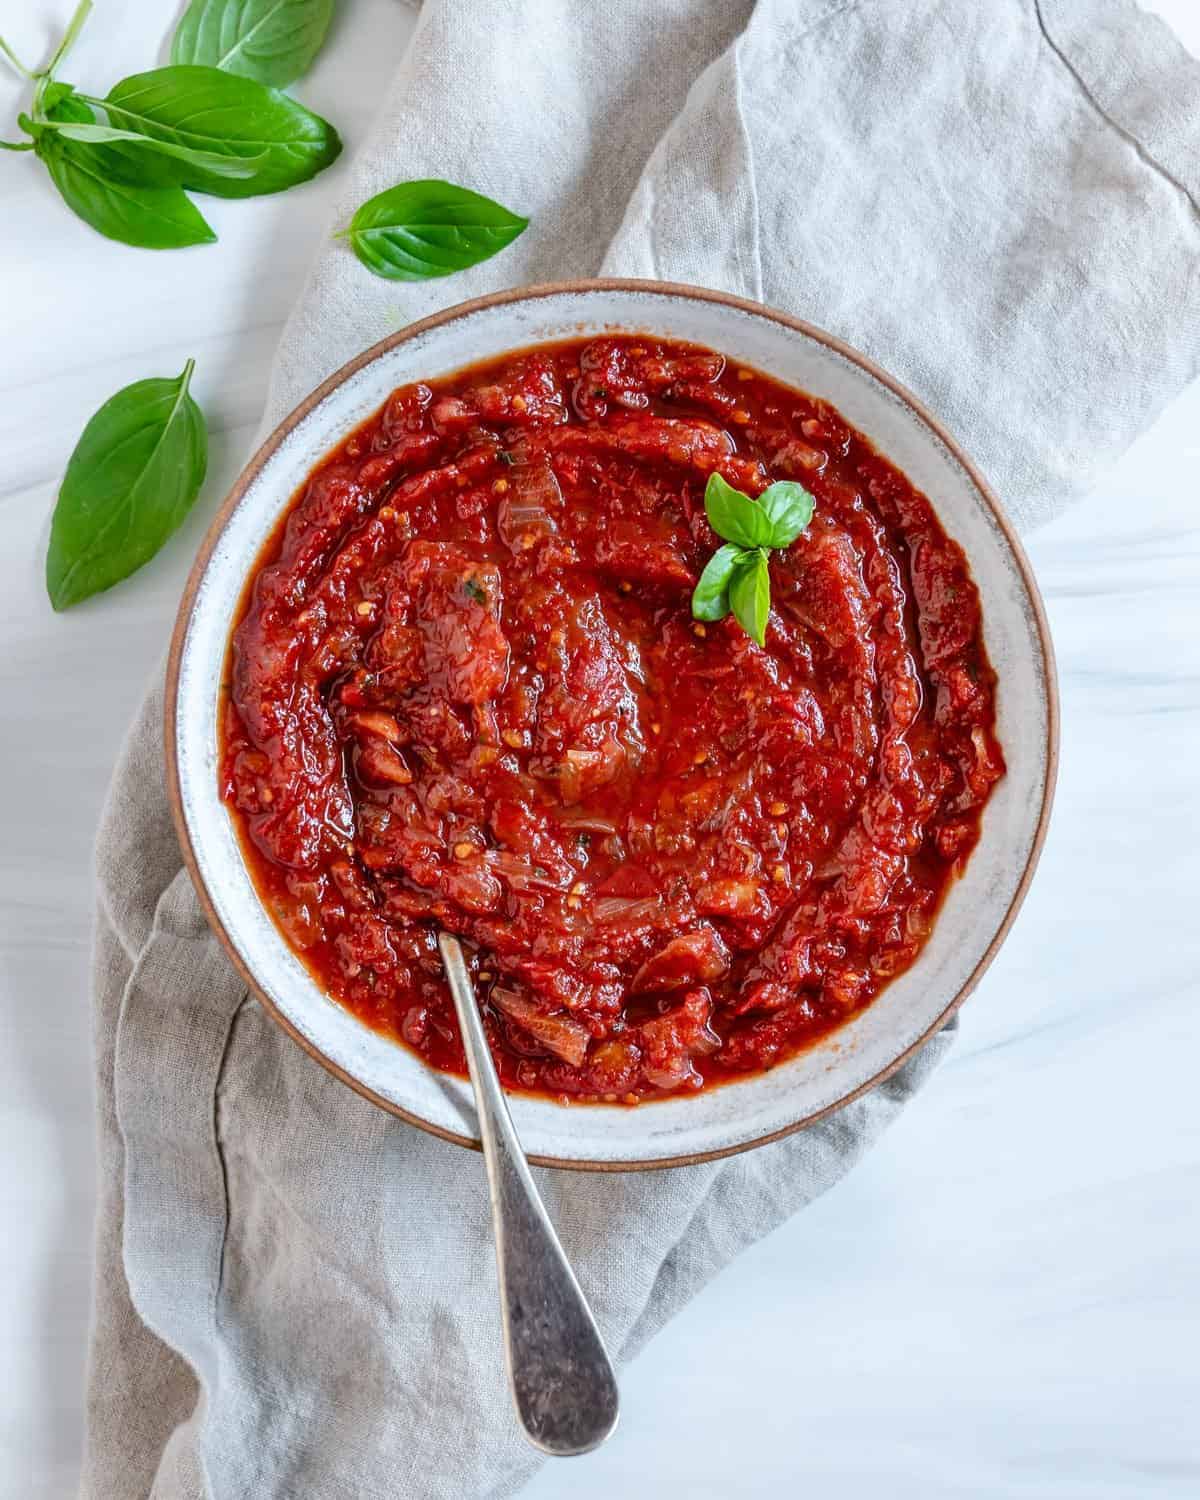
133	477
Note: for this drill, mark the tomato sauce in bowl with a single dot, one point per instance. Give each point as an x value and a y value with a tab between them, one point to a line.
467	691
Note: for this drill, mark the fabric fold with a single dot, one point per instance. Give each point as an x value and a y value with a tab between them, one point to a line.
1137	75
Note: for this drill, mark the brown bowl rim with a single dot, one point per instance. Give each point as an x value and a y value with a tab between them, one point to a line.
522	294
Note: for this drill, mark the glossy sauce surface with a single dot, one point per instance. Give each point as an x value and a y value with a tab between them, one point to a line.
467	690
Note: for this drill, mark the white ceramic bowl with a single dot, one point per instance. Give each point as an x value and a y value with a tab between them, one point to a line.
979	907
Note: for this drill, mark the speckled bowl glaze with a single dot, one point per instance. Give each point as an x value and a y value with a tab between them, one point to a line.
980	906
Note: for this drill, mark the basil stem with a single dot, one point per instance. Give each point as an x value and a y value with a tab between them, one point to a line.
69	37
15	60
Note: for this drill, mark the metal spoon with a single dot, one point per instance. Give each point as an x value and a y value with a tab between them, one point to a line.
559	1372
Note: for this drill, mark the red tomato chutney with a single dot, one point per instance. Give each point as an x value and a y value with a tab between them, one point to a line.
467	691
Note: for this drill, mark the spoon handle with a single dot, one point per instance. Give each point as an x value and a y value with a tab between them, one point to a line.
561	1378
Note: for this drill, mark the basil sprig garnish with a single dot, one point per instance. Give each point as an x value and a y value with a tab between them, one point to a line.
122	163
271	41
131	480
738	575
418	230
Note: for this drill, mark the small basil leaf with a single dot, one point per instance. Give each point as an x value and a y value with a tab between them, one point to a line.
207	110
60	102
187	156
417	230
734	516
710	597
132	478
153	218
750	595
271	41
789	507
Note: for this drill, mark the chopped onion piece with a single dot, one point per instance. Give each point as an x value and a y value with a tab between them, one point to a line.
526	511
519	873
628	909
589	823
558	1034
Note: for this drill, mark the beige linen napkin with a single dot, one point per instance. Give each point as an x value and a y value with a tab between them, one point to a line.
295	1292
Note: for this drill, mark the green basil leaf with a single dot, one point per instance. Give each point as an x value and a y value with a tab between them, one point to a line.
734	516
417	230
153	218
131	480
750	595
60	102
710	597
204	109
789	507
208	161
271	41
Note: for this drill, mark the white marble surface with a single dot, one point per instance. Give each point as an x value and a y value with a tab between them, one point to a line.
1002	1300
